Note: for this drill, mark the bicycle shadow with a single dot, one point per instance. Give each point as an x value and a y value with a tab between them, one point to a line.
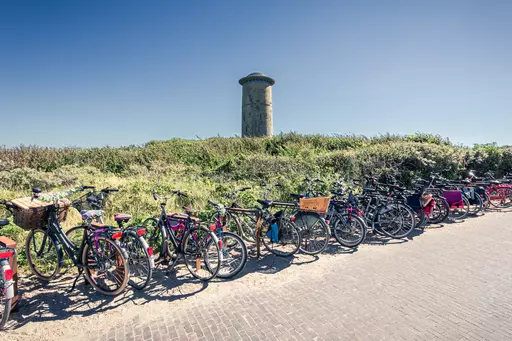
377	239
53	301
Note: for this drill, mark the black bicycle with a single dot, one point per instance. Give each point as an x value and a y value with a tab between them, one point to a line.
176	235
139	253
98	257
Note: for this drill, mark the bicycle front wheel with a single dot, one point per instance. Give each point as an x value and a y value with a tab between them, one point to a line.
234	255
43	255
315	233
105	267
202	255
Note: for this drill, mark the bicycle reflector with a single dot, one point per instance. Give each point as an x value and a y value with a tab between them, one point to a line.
213	227
117	235
292	218
150	251
6	254
8	274
141	232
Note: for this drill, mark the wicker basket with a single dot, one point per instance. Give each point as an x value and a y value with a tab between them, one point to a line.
31	214
319	204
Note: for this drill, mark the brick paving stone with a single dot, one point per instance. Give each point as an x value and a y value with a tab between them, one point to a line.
450	283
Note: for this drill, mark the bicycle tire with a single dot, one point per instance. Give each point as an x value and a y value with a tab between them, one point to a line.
312	225
31	241
121	275
194	242
440	212
137	254
226	247
460	213
352	219
290	230
398	231
6	312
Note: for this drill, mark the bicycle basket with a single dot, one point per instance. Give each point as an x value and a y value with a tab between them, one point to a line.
319	204
33	214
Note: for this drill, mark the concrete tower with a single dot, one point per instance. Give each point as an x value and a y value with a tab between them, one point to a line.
256	105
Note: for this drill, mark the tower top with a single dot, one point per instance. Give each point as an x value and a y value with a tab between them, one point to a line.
256	76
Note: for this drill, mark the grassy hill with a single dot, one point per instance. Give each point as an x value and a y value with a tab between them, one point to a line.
210	168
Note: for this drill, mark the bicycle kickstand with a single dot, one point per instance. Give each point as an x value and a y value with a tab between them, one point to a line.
80	271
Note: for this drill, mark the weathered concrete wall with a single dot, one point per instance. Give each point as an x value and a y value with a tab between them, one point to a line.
257	105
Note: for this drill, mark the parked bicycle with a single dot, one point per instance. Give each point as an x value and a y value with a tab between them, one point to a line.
97	257
178	235
139	253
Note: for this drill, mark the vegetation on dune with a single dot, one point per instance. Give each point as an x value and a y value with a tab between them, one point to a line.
207	169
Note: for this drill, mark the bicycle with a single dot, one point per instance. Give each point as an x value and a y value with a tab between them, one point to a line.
343	215
197	245
233	248
6	280
385	211
98	257
139	253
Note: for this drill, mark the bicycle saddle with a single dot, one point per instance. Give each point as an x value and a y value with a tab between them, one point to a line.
4	222
265	203
122	218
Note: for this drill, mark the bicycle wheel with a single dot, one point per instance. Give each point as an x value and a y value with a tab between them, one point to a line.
349	230
105	267
202	255
396	220
234	255
476	204
315	233
420	217
460	211
288	242
43	255
5	308
440	211
139	260
497	198
157	238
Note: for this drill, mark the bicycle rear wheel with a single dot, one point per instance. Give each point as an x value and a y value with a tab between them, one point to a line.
139	260
5	308
202	253
105	267
43	255
396	220
349	230
440	211
460	211
288	242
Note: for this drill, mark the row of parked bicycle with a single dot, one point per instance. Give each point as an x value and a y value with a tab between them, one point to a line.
112	257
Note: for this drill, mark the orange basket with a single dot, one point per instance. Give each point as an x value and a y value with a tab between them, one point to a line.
31	214
318	205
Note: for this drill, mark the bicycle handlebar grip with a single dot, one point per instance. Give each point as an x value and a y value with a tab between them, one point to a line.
244	189
88	187
154	195
108	190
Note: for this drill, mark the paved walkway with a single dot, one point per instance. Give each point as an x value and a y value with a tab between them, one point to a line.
449	283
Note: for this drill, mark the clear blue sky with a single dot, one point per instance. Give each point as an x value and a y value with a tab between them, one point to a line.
91	73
